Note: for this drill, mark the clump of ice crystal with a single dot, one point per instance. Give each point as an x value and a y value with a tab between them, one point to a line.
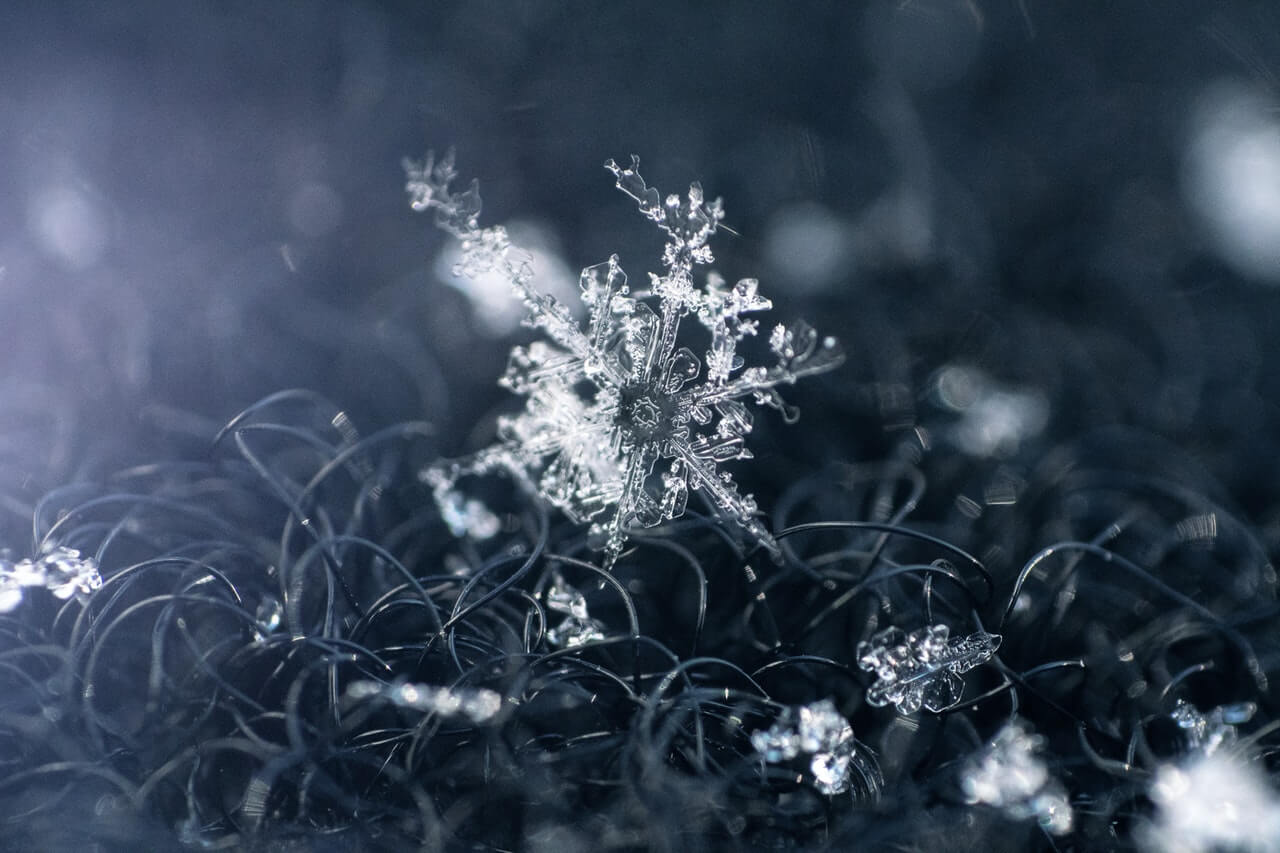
60	570
1008	774
822	733
621	420
577	627
1212	801
922	668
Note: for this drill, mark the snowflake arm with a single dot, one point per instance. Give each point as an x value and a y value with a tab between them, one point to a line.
621	419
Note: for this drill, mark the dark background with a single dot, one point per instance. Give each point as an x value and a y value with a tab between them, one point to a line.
201	203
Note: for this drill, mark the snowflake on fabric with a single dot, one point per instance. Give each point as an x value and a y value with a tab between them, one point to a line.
922	668
1010	774
621	421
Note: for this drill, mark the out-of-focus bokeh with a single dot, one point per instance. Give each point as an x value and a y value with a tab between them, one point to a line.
1021	218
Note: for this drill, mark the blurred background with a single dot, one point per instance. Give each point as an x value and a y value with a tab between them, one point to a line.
1026	221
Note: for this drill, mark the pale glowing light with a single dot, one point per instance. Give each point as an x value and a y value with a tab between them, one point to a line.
315	209
809	245
994	419
1232	178
68	225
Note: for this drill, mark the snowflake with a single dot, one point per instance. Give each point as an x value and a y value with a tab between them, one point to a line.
1210	802
922	668
59	569
621	421
1009	774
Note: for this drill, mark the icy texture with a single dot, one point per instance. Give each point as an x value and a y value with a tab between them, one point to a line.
621	421
577	627
477	704
922	668
1207	732
1217	801
60	570
818	730
1009	775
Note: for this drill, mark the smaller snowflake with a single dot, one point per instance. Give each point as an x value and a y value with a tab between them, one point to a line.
1209	732
1009	774
821	732
922	668
621	420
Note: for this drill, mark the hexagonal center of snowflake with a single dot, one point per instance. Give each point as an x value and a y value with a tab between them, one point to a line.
646	415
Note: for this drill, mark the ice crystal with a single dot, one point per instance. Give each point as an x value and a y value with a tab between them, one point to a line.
621	421
1208	732
821	732
1009	774
922	668
267	618
60	570
1215	801
577	627
477	704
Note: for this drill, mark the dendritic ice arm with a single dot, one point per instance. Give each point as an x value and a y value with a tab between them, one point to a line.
923	668
577	627
622	419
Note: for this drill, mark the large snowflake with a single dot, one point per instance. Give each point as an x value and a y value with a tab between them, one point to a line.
621	420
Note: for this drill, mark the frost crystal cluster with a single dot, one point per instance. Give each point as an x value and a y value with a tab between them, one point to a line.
922	668
1208	732
821	732
1008	774
622	421
577	627
477	704
60	570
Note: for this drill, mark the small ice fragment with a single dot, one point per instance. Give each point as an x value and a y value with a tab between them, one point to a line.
779	742
478	704
563	598
267	617
1208	732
